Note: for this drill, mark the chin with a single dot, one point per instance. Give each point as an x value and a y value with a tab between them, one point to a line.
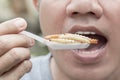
93	74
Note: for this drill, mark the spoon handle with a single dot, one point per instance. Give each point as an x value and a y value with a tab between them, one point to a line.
31	35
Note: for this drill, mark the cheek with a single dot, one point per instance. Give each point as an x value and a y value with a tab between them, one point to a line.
61	56
52	15
112	18
111	10
115	41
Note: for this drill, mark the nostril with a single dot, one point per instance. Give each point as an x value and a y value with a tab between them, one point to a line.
94	14
75	13
91	13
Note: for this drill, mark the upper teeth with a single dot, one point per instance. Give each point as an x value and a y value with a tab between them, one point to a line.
85	32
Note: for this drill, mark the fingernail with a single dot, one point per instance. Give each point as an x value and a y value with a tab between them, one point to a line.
20	23
27	65
32	42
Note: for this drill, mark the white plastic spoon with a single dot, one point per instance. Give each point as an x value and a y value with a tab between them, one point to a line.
55	45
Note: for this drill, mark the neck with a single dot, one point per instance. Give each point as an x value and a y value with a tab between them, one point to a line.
56	72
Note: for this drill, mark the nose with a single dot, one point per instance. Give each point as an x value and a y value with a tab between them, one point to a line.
84	7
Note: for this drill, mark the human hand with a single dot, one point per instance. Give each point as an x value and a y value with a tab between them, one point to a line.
14	50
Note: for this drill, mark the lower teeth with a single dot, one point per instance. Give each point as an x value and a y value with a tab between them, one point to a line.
87	52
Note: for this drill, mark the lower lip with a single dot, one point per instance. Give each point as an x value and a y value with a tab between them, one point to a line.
88	57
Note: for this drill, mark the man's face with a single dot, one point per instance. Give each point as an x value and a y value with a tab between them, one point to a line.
102	17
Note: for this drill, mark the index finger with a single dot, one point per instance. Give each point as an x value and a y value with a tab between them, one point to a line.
12	26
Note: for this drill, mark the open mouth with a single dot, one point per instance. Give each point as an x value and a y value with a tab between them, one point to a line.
102	40
94	52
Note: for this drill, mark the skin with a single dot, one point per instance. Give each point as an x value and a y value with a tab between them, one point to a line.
57	16
14	50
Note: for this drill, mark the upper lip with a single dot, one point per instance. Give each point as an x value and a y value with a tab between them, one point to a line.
77	28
